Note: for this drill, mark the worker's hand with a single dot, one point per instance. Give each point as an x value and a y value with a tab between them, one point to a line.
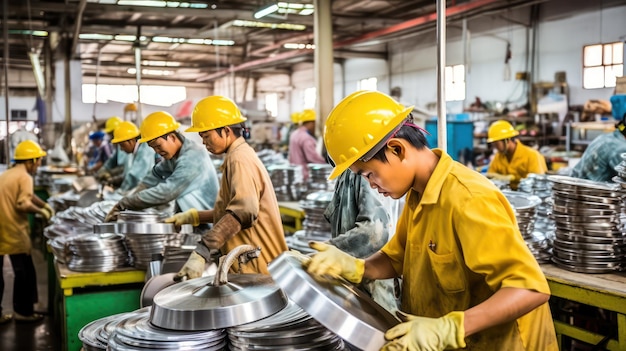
221	232
45	214
193	268
103	176
426	334
188	217
334	262
114	213
50	209
501	177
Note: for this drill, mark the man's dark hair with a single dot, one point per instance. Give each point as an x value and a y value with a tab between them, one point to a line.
408	132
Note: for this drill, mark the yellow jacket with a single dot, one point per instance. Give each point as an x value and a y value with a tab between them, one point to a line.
246	191
456	246
525	160
16	188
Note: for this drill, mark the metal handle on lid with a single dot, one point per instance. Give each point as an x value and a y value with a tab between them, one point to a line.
243	253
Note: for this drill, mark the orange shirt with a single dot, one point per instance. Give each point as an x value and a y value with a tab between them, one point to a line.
16	187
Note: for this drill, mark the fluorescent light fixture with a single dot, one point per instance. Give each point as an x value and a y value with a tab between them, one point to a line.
151	72
160	63
35	33
95	36
297	46
157	3
256	24
265	11
195	41
38	72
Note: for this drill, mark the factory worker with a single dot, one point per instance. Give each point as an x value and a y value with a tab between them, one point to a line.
17	200
140	160
246	209
604	153
99	152
302	143
514	160
360	226
112	170
469	280
186	174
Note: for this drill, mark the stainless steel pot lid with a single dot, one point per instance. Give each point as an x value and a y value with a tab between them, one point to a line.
337	305
218	302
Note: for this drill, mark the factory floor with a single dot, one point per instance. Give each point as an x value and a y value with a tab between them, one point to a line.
19	336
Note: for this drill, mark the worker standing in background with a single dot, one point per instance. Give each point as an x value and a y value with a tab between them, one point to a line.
360	226
604	153
469	280
99	152
302	143
186	174
246	210
514	161
139	160
17	200
114	166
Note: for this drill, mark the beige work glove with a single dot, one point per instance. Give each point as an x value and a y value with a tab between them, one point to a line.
193	268
188	217
335	263
103	176
50	209
426	334
114	213
45	214
221	232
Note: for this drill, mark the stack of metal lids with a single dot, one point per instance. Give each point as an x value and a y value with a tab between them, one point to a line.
289	329
145	216
589	225
95	335
315	226
318	178
540	186
96	252
525	205
84	216
135	332
59	249
287	180
145	239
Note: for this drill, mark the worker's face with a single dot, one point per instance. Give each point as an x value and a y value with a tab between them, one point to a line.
499	145
128	146
213	142
389	178
31	167
164	146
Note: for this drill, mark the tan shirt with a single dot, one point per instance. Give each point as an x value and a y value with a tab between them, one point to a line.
16	186
246	190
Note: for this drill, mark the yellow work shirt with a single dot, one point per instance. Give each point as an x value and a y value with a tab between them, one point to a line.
459	244
16	187
525	160
247	191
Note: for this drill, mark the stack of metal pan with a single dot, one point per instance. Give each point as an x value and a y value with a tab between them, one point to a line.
314	227
539	185
135	332
145	216
289	329
287	181
589	225
96	252
95	335
318	178
525	205
145	239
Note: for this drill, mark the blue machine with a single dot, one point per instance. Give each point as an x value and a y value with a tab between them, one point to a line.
460	137
618	104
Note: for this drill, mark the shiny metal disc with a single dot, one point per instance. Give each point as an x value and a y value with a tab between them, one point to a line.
337	305
197	304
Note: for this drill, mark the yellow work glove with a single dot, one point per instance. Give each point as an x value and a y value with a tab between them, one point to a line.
334	262
50	209
426	334
501	177
193	268
188	217
114	213
45	214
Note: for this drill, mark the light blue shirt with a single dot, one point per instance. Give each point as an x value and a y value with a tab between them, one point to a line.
600	158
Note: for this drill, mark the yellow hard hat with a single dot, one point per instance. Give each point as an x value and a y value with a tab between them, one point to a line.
295	117
111	124
307	115
214	112
125	131
27	150
500	130
130	107
357	124
157	124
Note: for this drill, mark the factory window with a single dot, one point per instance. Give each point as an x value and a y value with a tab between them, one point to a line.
271	104
367	84
455	83
310	95
602	63
157	95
